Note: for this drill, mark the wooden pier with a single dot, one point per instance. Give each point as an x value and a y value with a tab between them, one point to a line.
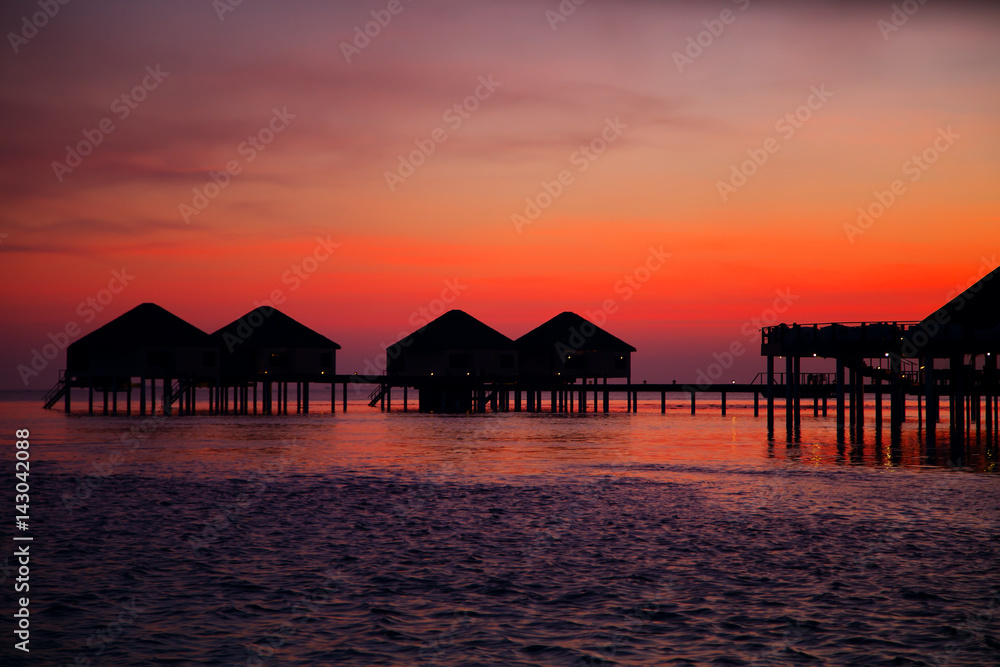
894	358
973	402
260	362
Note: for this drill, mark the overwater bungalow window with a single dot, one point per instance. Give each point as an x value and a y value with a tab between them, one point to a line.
621	363
326	359
576	361
506	361
278	359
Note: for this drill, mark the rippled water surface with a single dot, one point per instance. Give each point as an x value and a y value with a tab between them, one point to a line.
512	539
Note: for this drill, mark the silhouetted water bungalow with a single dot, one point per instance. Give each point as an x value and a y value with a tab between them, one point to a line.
454	345
572	347
968	324
145	343
267	346
899	358
450	360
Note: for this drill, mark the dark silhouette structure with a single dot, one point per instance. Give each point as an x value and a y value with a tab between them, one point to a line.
459	364
899	359
269	347
573	349
454	345
148	343
449	360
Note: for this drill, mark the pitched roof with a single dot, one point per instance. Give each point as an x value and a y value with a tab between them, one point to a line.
269	327
146	325
574	332
455	330
978	307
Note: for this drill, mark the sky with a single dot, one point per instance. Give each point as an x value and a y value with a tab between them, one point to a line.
681	173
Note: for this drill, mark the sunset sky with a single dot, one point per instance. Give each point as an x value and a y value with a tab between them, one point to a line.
632	125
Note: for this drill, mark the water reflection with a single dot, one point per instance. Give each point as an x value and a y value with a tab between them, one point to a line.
503	444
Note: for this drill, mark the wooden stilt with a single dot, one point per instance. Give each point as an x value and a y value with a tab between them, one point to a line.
958	394
840	392
770	393
859	414
877	385
789	392
797	388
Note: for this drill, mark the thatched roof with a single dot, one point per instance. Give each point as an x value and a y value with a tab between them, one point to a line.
267	327
571	331
455	330
978	307
146	325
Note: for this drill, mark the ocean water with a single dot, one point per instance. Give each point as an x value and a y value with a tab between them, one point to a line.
511	539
